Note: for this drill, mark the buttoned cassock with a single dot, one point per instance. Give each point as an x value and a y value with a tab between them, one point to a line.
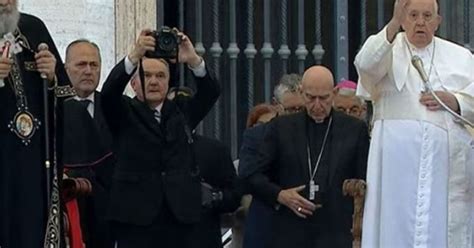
420	166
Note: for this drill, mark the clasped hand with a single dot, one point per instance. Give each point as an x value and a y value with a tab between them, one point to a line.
5	67
447	98
45	62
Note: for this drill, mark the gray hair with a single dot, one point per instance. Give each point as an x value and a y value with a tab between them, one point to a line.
279	91
292	80
78	41
288	83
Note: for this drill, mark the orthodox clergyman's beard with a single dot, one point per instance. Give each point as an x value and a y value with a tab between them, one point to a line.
8	21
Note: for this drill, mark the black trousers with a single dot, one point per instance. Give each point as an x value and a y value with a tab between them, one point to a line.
165	232
290	231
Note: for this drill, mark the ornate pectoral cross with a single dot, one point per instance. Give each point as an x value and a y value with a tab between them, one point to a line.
313	188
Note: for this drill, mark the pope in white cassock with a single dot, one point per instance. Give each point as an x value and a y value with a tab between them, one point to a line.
421	159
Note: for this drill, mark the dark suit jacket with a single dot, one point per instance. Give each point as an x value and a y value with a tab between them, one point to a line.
251	140
258	219
154	164
283	164
87	141
217	169
88	154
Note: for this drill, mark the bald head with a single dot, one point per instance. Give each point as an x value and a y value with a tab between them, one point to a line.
318	76
318	92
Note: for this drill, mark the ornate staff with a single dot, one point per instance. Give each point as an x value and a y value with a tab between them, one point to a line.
52	237
47	157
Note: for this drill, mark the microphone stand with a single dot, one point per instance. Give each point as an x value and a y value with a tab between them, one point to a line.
418	64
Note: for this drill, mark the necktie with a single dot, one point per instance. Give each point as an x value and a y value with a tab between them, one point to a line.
85	103
157	115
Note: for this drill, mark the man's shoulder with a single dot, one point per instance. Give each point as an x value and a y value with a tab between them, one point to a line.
97	94
348	120
28	19
69	103
452	47
257	128
288	118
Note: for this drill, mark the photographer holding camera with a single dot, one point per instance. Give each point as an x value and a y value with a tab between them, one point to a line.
155	195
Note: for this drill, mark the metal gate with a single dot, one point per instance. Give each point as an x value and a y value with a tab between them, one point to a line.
250	44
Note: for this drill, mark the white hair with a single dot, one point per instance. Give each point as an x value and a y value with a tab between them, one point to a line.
287	83
9	18
279	91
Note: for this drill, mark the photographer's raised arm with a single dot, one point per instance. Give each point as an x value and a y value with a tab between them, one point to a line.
187	54
208	89
145	42
117	80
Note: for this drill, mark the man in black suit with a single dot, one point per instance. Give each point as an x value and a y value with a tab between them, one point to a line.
301	171
217	170
223	190
155	197
87	143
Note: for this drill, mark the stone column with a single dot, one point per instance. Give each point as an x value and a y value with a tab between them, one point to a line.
131	16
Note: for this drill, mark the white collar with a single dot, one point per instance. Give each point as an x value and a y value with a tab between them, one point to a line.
424	51
89	97
159	107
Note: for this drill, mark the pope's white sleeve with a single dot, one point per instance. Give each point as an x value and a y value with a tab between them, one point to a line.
374	60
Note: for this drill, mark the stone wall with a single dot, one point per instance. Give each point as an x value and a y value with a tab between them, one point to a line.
112	24
68	20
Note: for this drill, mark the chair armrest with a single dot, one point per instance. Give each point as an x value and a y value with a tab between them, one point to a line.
356	188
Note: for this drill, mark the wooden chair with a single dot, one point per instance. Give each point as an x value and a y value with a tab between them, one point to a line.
356	188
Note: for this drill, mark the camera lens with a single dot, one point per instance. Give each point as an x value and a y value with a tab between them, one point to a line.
167	42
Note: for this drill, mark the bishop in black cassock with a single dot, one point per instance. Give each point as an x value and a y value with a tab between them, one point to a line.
23	201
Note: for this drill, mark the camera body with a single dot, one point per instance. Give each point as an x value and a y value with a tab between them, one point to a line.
167	43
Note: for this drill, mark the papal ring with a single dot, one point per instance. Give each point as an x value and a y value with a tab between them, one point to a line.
299	209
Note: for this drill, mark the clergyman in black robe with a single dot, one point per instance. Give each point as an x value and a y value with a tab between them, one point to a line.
24	206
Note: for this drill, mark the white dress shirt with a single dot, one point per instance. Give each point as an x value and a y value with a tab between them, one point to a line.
90	107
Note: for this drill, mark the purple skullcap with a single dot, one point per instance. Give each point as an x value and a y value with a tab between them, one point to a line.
346	84
346	88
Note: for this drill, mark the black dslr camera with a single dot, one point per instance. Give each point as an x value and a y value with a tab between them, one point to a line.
167	42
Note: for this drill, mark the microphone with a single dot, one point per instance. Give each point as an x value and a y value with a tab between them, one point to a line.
43	47
418	64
